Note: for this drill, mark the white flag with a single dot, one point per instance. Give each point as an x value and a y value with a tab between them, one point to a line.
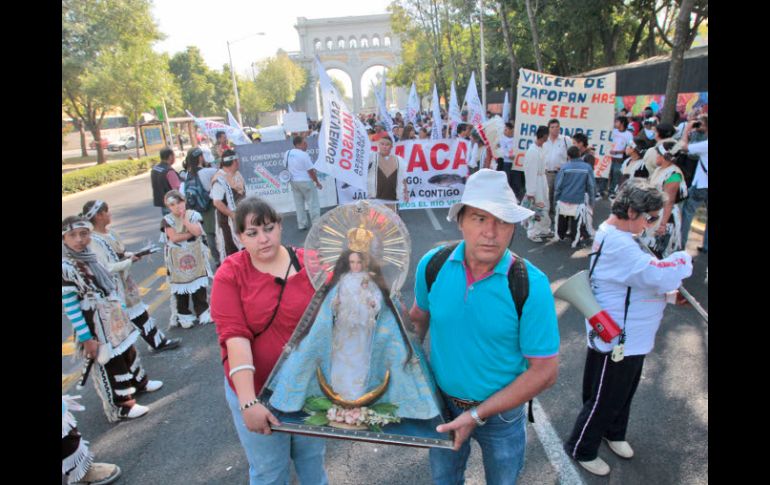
506	109
385	118
290	110
435	132
241	139
343	144
455	117
476	114
210	129
413	106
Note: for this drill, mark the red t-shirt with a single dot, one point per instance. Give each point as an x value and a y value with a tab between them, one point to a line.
242	301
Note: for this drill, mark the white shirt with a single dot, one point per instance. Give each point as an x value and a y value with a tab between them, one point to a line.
506	146
555	152
620	139
534	173
205	174
701	178
623	263
298	164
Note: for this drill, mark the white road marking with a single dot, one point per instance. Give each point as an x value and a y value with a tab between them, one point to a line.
433	219
568	474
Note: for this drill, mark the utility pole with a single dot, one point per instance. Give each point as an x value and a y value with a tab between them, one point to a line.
232	73
483	64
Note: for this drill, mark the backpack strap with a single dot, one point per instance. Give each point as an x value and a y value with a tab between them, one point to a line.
436	262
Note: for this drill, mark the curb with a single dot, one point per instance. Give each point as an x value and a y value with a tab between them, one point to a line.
177	166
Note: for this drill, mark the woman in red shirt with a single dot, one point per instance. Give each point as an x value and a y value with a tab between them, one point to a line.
258	298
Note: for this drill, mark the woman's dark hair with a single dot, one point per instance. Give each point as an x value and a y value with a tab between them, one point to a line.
408	132
668	146
257	211
639	195
343	266
581	138
192	160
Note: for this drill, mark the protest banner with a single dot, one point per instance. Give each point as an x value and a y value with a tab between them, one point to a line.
382	109
262	163
343	143
436	172
210	129
239	137
582	105
295	122
685	102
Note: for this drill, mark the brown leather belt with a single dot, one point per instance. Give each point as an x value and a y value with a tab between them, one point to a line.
462	403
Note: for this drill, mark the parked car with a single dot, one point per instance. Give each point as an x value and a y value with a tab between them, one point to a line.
125	144
104	142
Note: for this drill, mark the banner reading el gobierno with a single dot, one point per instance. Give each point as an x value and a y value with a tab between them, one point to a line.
582	105
261	164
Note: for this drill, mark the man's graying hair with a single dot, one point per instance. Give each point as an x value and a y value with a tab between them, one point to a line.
639	195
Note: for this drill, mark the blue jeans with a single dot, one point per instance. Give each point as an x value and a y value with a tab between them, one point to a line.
616	173
697	198
503	441
269	456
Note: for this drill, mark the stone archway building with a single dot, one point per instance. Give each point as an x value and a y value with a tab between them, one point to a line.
350	44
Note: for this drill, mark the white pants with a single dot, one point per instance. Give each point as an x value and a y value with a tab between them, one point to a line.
305	193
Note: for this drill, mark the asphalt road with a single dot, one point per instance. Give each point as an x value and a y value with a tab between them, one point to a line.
188	436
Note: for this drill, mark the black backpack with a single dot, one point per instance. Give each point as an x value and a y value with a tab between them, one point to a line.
196	196
518	283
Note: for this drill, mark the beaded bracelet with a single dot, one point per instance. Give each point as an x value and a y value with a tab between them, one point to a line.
250	404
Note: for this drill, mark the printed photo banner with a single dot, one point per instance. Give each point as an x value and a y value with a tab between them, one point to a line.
436	172
261	165
685	102
582	105
210	129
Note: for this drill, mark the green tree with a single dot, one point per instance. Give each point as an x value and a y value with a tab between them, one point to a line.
92	32
279	79
194	79
143	81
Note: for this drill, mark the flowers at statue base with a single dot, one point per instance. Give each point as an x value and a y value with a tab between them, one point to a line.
321	411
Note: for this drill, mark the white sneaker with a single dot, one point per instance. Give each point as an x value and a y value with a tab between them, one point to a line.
621	448
596	466
153	386
99	474
205	318
136	411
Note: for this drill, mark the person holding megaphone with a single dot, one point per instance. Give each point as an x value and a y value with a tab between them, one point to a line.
632	287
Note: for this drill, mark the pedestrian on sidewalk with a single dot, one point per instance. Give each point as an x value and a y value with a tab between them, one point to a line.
258	298
111	253
102	328
187	262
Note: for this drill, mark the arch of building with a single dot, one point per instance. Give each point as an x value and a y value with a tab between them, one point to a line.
347	52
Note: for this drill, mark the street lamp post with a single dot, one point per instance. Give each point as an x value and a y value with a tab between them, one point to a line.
232	73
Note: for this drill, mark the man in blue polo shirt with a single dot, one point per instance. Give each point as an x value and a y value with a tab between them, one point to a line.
486	362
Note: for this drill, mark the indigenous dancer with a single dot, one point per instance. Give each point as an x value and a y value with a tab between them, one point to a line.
187	262
666	237
102	327
227	189
112	254
76	459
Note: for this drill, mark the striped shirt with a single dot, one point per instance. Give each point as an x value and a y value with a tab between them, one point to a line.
75	316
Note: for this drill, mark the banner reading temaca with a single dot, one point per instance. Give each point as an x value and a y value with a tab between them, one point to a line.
582	105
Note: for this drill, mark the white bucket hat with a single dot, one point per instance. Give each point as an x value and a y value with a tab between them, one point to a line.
489	191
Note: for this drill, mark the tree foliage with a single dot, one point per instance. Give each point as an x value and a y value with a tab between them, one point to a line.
279	79
440	38
94	34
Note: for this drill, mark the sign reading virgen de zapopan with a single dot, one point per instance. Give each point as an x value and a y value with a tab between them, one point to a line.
582	105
